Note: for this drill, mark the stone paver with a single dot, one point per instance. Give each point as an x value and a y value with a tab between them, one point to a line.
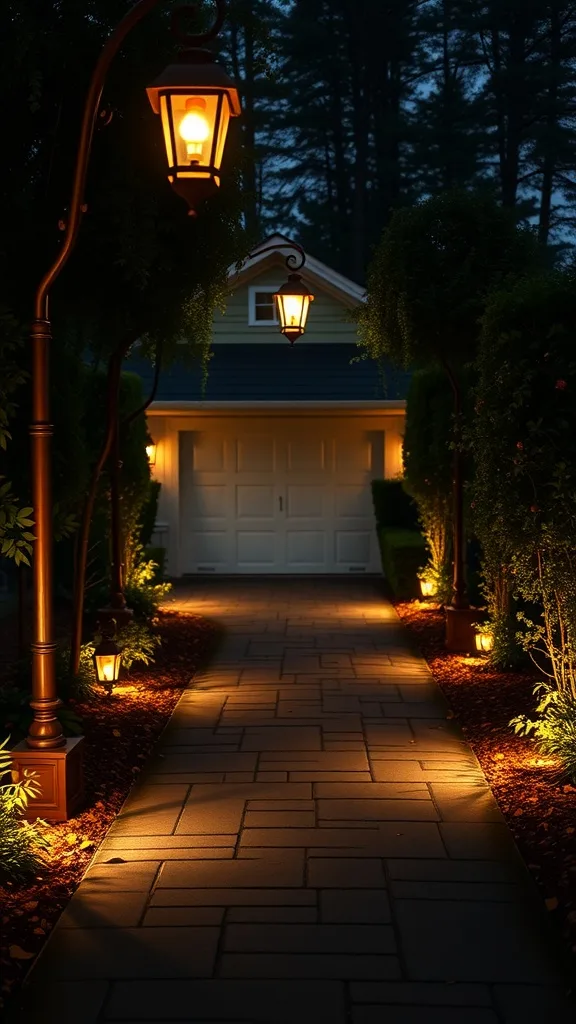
313	840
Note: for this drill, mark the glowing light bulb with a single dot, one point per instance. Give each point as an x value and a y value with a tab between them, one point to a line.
293	310
194	129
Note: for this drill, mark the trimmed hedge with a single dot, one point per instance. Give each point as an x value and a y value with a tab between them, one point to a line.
404	553
394	509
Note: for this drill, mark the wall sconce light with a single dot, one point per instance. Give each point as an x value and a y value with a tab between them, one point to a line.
484	642
151	453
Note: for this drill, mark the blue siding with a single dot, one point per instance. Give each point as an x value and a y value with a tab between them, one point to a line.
245	373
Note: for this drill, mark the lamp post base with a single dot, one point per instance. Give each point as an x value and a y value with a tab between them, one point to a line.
460	632
59	774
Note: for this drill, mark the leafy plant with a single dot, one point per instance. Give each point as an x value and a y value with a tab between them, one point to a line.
555	729
21	841
142	593
135	640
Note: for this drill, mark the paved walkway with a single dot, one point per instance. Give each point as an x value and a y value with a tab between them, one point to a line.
313	843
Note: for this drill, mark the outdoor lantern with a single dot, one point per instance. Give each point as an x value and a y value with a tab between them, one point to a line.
195	99
151	453
293	302
484	642
107	659
427	588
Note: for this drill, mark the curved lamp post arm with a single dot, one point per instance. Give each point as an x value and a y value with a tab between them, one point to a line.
107	54
292	261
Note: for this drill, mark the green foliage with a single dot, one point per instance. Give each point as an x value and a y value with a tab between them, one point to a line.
21	842
393	508
156	555
15	536
522	439
403	556
428	458
137	643
555	728
142	593
431	274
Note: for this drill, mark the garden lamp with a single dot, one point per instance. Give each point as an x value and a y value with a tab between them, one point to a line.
151	453
293	298
484	642
293	302
107	658
195	99
427	588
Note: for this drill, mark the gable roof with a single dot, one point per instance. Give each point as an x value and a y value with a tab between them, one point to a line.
314	272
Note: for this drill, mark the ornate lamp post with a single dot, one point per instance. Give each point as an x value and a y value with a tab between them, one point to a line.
293	298
196	99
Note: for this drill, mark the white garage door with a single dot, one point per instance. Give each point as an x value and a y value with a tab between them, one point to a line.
279	495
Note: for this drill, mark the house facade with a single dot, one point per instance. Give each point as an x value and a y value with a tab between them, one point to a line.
269	471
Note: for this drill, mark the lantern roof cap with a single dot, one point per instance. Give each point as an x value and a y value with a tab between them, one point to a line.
196	70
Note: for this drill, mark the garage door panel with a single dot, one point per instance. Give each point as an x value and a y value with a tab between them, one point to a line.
257	549
353	547
306	454
305	501
208	453
352	501
255	501
256	453
306	547
210	547
208	501
353	455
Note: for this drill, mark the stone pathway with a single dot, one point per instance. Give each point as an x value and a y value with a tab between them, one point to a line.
313	843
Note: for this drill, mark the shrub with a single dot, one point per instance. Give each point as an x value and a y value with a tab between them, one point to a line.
403	555
393	507
143	595
21	842
136	642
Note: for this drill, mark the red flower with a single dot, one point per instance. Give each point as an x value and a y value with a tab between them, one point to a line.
534	508
472	504
519	446
560	385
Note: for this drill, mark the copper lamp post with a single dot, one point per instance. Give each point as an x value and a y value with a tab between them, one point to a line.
196	99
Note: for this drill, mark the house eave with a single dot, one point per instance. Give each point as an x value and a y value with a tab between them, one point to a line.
189	408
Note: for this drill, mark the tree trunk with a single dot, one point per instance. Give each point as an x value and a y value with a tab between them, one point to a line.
459	595
549	162
114	371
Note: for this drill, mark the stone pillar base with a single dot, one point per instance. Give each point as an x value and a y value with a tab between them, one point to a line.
60	775
460	632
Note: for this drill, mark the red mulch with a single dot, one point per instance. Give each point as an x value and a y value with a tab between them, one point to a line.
120	732
539	807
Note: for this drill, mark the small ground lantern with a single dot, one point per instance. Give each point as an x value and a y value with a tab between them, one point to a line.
195	99
484	642
107	659
427	588
293	302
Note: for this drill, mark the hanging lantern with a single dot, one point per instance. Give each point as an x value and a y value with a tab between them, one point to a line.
151	453
195	99
293	302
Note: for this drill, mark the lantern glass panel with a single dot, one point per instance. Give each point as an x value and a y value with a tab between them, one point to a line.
190	121
107	667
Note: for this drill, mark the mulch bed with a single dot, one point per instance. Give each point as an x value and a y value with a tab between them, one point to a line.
539	807
120	732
